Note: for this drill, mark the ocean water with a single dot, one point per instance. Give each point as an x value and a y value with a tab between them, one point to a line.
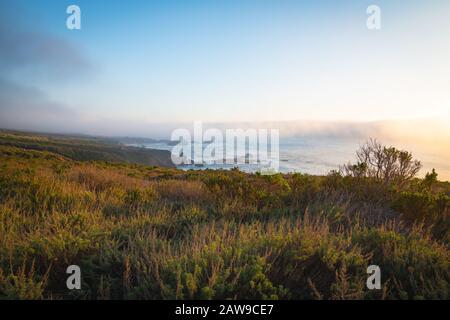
318	156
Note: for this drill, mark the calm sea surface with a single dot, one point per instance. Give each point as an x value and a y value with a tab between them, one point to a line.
319	156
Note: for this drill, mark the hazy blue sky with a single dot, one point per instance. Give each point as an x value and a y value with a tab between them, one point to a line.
137	62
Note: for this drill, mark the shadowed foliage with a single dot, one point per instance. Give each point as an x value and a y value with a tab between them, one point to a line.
140	232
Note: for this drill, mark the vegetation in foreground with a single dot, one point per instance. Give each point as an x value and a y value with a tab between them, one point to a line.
140	232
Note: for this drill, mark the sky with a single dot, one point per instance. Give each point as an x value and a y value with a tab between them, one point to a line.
137	66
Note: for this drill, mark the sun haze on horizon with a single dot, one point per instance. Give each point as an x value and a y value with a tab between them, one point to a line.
144	62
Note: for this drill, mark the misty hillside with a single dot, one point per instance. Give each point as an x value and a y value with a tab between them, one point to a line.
86	148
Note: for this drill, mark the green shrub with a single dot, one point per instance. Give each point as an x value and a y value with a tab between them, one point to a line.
422	206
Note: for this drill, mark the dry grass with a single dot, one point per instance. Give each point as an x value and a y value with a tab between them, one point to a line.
153	233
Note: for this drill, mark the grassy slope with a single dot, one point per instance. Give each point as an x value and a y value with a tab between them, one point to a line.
86	148
157	233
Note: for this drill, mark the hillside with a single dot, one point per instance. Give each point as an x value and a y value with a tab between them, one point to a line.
86	148
160	233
